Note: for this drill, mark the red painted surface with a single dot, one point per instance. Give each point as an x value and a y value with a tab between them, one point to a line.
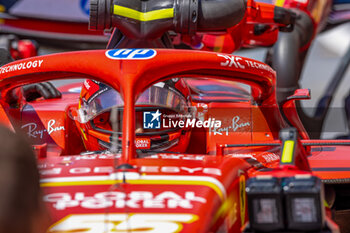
259	12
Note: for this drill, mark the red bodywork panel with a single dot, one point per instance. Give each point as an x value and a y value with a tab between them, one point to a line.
189	186
317	9
262	12
331	163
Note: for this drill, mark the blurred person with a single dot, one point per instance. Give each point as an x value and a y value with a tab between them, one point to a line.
21	207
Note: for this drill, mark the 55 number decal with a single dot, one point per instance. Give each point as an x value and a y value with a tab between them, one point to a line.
123	223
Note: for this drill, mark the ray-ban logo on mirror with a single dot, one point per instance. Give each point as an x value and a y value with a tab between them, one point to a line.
130	54
151	120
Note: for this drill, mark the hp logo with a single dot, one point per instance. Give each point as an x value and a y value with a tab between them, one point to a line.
130	54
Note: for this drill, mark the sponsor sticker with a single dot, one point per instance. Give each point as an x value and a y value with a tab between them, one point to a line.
92	87
131	54
232	61
21	66
51	170
134	200
143	143
85	6
34	132
236	125
240	63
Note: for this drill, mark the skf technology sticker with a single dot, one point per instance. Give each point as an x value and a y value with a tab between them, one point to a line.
21	66
131	54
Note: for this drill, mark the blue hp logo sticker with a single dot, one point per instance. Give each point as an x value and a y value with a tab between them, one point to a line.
85	6
130	54
151	120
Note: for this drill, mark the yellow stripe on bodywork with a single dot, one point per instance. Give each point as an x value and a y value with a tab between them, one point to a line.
288	149
83	133
143	16
280	3
137	182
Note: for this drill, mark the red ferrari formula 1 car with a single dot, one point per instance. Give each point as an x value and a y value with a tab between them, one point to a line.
142	189
161	140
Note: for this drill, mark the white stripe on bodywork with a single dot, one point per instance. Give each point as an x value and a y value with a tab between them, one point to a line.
137	176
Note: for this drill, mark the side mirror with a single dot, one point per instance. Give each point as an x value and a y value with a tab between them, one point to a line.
290	113
299	94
